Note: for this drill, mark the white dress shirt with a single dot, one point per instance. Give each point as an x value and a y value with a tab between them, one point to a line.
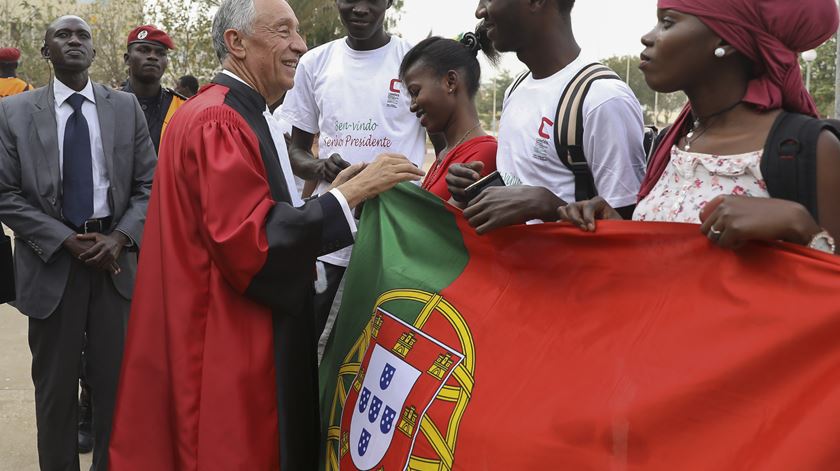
285	164
63	111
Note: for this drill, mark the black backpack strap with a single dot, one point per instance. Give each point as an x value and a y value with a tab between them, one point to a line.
517	82
656	142
568	128
789	163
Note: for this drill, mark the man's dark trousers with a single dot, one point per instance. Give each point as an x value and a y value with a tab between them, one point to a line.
90	305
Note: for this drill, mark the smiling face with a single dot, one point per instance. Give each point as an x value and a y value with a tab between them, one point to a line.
430	97
678	53
363	19
274	47
506	21
68	44
147	61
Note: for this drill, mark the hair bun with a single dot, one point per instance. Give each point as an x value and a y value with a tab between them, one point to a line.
471	42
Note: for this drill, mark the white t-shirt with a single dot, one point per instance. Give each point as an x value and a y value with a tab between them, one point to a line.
613	131
287	129
357	103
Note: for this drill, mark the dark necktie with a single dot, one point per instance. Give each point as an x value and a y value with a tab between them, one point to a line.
77	182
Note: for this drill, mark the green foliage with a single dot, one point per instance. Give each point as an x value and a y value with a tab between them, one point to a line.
668	105
188	23
822	76
320	23
24	23
486	95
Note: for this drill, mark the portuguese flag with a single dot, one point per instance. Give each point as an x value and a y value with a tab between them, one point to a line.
542	347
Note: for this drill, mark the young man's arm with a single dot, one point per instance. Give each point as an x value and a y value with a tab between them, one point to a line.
613	141
309	167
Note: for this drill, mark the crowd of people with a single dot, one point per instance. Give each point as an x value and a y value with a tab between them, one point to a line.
247	230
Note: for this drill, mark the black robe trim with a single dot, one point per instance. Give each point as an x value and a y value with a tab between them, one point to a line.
296	236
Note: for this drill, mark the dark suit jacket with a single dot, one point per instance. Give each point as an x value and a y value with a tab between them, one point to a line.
30	189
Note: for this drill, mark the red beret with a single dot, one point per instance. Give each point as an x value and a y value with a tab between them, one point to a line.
150	34
9	54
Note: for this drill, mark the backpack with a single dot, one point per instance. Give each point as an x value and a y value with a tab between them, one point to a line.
789	162
568	126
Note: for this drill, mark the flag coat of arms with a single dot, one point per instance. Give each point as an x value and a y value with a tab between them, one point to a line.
404	371
639	347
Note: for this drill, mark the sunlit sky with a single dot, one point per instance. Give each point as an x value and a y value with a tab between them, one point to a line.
603	28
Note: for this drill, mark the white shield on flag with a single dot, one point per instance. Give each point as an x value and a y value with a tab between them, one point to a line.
382	396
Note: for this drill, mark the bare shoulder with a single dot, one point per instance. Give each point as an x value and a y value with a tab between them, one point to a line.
828	147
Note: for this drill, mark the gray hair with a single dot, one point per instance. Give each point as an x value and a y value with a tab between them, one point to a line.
232	14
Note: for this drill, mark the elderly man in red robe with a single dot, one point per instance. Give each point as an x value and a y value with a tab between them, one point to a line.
220	364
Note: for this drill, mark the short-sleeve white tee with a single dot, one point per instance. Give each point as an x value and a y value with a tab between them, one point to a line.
613	137
355	100
287	129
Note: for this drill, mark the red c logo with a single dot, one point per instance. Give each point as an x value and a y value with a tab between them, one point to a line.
393	87
543	134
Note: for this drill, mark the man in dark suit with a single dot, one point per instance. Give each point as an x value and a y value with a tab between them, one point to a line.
74	188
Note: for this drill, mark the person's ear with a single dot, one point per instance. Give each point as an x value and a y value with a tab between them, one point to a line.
452	81
723	49
45	51
125	58
234	42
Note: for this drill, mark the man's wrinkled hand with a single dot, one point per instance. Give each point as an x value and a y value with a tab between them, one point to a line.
347	174
379	176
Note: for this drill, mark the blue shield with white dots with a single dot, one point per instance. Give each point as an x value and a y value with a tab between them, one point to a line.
387	420
403	371
387	376
383	393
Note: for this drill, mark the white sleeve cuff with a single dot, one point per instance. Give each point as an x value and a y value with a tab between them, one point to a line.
351	222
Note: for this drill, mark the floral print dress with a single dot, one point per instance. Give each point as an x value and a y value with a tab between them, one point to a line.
691	180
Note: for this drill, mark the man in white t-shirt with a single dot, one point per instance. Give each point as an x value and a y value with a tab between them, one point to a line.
537	181
348	90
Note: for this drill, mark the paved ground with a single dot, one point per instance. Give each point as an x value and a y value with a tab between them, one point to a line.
17	396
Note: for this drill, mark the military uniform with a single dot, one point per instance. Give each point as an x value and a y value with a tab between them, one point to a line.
12	86
158	110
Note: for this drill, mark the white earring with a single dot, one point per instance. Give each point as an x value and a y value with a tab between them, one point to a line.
720	52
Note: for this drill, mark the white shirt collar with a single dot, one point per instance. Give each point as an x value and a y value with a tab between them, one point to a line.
236	77
232	75
62	92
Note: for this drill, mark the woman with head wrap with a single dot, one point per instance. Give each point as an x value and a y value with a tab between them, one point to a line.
737	61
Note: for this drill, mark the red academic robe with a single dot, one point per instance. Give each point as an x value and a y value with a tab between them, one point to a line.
219	370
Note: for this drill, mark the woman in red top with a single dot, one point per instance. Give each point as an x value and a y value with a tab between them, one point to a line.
442	77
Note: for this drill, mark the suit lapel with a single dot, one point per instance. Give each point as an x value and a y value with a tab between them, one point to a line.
107	126
45	128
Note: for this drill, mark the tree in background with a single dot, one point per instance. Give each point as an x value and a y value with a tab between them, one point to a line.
822	77
23	25
668	104
189	24
320	24
486	95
